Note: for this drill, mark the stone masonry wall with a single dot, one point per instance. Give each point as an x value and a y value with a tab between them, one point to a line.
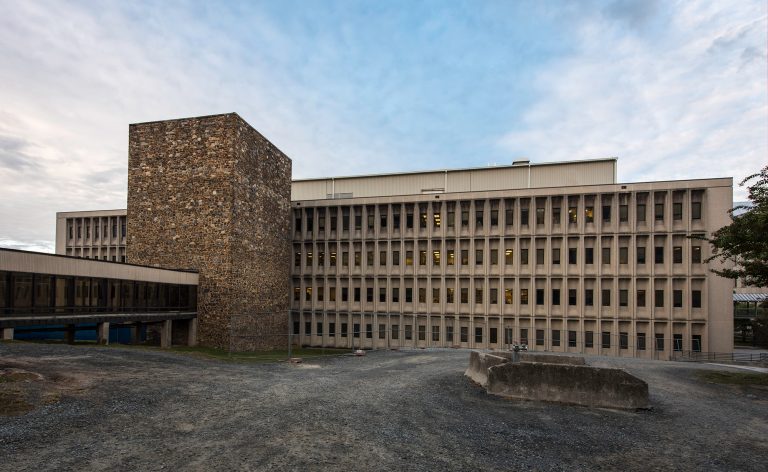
212	194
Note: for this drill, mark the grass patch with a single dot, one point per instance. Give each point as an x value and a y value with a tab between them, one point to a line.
259	356
734	378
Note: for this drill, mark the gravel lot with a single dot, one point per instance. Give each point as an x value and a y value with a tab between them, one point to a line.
120	408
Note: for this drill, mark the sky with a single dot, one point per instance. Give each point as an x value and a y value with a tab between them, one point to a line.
674	89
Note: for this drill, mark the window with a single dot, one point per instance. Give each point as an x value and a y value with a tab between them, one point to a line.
524	256
589	297
308	294
478	257
297	259
524	336
382	294
695	210
395	258
641	298
507	296
658	212
556	256
623	255
478	296
451	220
641	212
479	219
696	343
623	213
422	257
556	296
369	294
423	218
572	255
409	258
465	257
435	333
539	337
307	328
370	219
309	259
539	216
357	294
677	211
509	216
409	219
494	217
422	295
696	298
382	331
436	219
555	337
606	213
677	342
478	334
357	258
606	298
450	257
589	214
571	338
369	258
494	295
606	341
382	219
606	255
641	255
296	294
523	296
589	255
436	258
408	332
677	255
539	296
508	335
523	216
395	294
572	297
696	254
623	297
641	341
464	216
464	334
395	331
319	328
408	294
658	255
435	295
539	256
508	256
659	341
677	298
572	215
493	334
345	220
623	341
332	328
589	340
556	216
344	294
464	295
494	257
321	259
659	298
383	258
449	295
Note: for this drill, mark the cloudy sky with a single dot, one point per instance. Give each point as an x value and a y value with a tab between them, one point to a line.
675	89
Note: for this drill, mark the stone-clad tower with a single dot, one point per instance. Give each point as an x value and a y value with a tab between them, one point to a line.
211	193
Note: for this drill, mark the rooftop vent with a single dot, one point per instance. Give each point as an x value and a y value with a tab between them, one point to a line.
521	162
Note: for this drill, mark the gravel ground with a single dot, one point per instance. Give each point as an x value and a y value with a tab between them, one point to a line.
120	408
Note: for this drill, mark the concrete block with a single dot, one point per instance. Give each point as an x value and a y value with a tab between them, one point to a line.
7	334
551	358
479	363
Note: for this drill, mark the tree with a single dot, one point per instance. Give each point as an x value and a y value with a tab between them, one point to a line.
744	242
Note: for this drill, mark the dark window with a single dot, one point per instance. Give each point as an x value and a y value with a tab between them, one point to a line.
408	294
623	213
539	216
478	219
572	296
606	298
435	333
589	339
494	217
606	341
640	212
641	341
524	216
659	212
555	296
696	298
623	297
449	334
478	335
357	294
677	298
369	294
589	255
408	332
588	297
307	328
677	342
623	255
539	296
677	255
556	256
677	211
659	299
606	213
332	329
523	296
382	294
493	333
641	298
572	255
555	337
464	333
659	254
540	256
659	341
382	331
695	210
369	331
571	338
623	341
696	343
395	331
641	255
606	255
509	216
696	254
539	337
524	256
524	336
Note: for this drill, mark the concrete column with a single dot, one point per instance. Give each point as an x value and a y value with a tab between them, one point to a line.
69	334
102	333
192	332
7	334
165	334
136	333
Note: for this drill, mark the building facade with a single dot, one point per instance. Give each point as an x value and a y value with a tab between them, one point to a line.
92	234
557	256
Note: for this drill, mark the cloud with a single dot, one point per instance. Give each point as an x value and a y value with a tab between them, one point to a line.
685	102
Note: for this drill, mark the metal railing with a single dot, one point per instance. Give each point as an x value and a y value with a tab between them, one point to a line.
728	357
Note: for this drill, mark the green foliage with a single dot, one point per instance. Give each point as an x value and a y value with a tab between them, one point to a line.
744	242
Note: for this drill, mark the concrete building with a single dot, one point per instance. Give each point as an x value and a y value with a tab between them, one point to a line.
559	256
92	234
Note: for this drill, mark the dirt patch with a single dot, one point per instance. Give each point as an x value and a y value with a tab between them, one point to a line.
22	391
